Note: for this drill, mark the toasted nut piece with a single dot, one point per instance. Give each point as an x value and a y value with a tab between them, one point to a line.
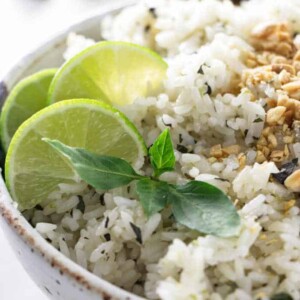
266	151
286	102
288	205
212	160
275	114
277	68
297	110
296	65
233	149
289	116
284	77
274	37
242	160
277	155
262	141
266	131
293	181
293	89
297	56
286	151
288	139
260	157
272	139
271	102
216	151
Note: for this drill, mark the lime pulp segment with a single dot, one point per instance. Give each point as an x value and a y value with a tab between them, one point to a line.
117	72
34	169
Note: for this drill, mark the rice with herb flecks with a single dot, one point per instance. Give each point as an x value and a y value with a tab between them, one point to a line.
232	103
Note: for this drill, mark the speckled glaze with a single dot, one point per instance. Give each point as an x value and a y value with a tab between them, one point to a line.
56	275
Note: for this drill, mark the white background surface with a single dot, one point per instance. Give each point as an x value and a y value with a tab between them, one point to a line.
24	24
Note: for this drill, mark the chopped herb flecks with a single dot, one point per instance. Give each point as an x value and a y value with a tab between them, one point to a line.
102	202
138	233
182	149
147	28
281	296
258	120
107	237
200	71
152	11
106	222
81	204
286	170
208	90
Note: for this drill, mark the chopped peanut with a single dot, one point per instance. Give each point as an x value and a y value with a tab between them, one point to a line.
260	157
242	161
277	155
274	37
293	181
277	68
275	114
272	139
293	89
289	204
233	149
216	151
297	110
288	139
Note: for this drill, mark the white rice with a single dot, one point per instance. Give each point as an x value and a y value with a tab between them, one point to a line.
172	262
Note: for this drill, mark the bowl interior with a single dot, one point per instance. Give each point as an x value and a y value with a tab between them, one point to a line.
49	55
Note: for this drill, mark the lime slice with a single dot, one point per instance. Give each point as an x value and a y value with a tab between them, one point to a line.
33	169
26	98
116	72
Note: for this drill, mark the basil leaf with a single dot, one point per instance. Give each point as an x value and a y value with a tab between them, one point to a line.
161	154
100	171
201	206
153	195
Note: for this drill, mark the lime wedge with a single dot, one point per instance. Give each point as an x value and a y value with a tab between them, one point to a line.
26	98
116	72
33	169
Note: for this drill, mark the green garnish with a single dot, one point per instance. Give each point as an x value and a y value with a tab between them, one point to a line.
161	154
100	171
197	205
153	195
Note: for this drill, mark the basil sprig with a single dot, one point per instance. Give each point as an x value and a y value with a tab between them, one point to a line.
161	153
197	205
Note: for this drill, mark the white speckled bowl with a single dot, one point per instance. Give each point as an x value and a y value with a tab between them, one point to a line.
56	275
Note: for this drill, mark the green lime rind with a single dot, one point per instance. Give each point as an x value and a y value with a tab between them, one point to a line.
33	169
26	98
116	72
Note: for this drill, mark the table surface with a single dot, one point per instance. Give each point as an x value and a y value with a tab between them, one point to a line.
23	26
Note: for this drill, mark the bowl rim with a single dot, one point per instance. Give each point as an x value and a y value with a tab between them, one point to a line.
8	210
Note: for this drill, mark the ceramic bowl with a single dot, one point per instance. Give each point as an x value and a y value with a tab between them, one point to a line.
55	274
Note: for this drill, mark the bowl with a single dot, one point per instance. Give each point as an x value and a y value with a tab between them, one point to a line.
55	274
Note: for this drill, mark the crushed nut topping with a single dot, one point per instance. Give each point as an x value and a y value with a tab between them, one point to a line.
293	181
275	37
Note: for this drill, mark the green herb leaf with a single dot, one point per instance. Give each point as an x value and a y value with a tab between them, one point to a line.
258	120
281	296
162	154
201	206
100	171
153	195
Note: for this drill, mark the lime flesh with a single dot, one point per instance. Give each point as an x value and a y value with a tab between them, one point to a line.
26	98
33	169
116	72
